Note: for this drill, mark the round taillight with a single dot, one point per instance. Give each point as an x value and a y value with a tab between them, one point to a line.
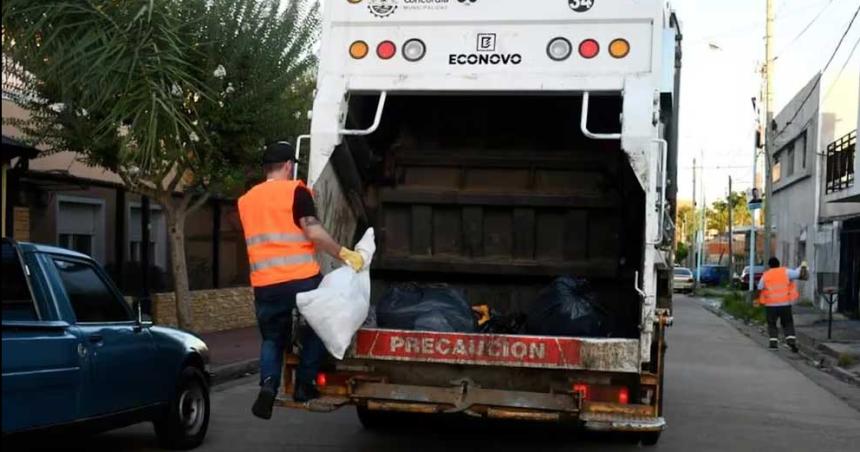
358	50
559	49
619	48
386	50
414	50
589	48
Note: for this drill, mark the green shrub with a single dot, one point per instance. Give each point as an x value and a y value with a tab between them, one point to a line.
736	304
846	360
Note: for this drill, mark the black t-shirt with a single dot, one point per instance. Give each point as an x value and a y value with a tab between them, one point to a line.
303	205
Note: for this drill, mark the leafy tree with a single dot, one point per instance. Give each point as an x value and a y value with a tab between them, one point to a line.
175	96
681	253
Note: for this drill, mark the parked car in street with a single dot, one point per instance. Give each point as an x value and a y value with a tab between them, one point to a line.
744	281
713	275
77	357
683	280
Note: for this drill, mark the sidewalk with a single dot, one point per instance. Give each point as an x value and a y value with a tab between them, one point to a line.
843	348
233	353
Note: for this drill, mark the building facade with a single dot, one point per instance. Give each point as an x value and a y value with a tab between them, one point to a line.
54	198
816	204
793	171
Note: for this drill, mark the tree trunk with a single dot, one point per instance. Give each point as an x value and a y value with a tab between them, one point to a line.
176	233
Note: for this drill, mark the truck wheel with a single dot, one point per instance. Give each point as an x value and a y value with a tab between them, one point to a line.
183	426
651	438
371	419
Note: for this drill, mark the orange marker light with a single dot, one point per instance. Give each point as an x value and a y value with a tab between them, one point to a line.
358	50
619	48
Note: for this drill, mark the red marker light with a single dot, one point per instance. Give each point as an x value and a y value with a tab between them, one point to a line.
386	50
582	390
321	380
624	396
589	48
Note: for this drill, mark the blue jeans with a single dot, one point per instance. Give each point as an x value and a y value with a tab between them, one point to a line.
274	307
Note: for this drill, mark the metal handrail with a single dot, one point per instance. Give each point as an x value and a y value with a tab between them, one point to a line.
583	123
299	153
377	119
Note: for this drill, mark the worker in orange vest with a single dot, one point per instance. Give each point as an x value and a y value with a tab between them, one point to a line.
778	293
282	235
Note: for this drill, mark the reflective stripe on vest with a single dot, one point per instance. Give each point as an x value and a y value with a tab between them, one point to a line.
778	288
278	250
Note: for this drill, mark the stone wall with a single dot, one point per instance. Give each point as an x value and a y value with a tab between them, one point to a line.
212	310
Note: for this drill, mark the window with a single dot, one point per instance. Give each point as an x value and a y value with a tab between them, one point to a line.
90	297
18	303
80	225
135	251
789	161
82	243
801	148
776	173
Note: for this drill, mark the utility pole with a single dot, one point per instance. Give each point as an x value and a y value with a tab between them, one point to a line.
704	228
731	235
769	132
693	242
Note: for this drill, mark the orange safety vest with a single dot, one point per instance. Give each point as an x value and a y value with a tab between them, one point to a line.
278	250
778	290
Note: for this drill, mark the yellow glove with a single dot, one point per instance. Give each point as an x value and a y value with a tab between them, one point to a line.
351	258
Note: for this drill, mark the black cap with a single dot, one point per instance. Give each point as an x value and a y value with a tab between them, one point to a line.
279	152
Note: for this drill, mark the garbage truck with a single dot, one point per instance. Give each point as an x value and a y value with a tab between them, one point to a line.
494	146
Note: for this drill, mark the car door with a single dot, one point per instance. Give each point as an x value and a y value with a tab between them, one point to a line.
120	351
42	357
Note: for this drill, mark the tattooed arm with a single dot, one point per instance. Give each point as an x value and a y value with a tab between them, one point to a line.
316	233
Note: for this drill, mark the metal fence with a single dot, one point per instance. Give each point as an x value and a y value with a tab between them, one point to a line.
840	163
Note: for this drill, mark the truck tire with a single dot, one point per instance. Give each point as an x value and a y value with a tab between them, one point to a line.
371	419
651	438
184	424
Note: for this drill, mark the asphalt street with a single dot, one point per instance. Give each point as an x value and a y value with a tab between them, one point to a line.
724	393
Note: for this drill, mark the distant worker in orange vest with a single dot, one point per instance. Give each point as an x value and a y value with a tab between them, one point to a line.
778	293
282	234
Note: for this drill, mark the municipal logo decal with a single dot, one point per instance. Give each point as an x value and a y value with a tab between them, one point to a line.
382	8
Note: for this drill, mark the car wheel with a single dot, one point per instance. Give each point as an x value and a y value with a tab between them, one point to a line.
183	426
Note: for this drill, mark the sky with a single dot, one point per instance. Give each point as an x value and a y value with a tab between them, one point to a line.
723	47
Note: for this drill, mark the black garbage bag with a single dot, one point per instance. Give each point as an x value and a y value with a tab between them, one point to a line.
437	308
567	308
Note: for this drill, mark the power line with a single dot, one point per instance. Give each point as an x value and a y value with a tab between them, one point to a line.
844	65
802	32
821	75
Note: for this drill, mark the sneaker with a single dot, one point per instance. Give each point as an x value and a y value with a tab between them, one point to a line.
305	392
263	405
774	345
265	400
792	344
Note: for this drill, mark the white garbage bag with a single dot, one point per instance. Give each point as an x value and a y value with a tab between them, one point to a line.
338	308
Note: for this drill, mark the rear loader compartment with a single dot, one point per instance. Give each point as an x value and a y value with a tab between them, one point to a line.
497	194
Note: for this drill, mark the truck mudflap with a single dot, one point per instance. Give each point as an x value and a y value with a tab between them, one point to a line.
606	355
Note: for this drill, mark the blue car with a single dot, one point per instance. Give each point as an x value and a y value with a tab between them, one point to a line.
76	356
714	275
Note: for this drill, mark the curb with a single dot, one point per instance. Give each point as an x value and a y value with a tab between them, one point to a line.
808	347
229	372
